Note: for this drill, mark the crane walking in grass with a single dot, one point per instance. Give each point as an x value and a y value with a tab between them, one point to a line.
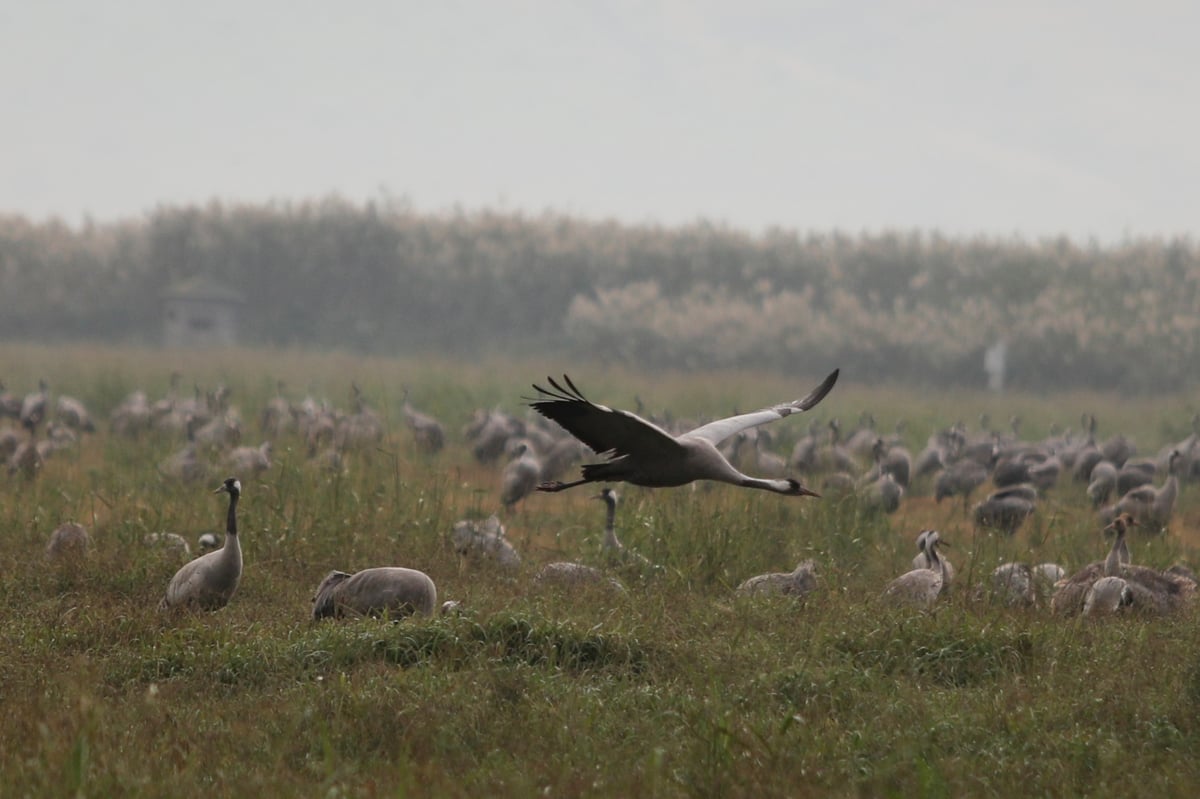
642	453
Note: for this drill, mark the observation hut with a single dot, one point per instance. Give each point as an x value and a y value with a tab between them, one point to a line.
200	313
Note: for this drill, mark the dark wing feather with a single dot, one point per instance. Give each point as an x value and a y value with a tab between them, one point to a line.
606	430
817	394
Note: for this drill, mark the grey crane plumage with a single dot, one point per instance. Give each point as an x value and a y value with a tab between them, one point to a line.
959	478
616	552
393	591
210	581
564	453
1185	445
1044	470
1071	592
1106	596
1150	590
922	559
833	456
10	403
1118	556
882	494
1007	509
1047	574
26	458
252	460
69	542
1011	469
74	414
880	489
185	465
797	583
1118	449
277	415
484	541
644	454
489	433
10	439
131	418
428	433
1102	484
937	452
170	544
1151	506
567	573
1013	584
1088	454
860	442
755	442
520	476
1019	584
897	460
921	587
804	454
1136	472
34	407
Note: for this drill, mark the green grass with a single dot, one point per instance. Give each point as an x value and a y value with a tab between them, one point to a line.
676	688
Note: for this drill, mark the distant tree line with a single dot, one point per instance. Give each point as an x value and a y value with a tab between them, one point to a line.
380	277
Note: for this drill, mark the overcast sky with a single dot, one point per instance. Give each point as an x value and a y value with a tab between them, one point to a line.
1027	118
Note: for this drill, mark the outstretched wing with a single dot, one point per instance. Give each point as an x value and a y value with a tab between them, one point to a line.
715	432
607	431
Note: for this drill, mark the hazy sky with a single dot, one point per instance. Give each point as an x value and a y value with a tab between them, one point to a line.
1027	118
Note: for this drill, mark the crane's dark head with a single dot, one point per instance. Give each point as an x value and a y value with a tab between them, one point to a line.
606	494
325	599
797	490
231	486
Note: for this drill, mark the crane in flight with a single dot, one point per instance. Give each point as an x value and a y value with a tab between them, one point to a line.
642	453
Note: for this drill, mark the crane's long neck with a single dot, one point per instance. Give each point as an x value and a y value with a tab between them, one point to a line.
231	516
1118	556
611	542
935	560
1166	495
789	487
231	551
922	559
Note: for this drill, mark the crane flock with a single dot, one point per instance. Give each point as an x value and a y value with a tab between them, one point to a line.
645	451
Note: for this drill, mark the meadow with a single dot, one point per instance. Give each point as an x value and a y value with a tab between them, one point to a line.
675	688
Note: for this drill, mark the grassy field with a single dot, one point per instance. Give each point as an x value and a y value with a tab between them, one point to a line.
676	688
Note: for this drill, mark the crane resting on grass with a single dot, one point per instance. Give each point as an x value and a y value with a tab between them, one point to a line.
642	453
